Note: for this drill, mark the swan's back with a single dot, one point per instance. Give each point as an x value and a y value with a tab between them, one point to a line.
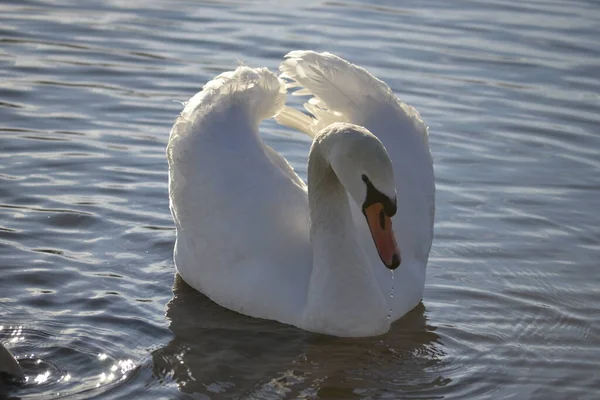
232	196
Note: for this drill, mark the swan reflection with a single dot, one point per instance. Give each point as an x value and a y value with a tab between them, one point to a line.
215	350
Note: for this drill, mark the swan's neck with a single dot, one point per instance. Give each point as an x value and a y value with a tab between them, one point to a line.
343	296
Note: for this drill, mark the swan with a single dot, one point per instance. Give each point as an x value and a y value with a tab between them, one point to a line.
343	92
254	238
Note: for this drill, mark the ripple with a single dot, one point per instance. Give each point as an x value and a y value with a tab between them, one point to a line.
510	92
56	364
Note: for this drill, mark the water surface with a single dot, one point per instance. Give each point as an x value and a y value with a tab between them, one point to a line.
88	300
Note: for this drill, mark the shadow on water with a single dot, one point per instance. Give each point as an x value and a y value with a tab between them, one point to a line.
219	351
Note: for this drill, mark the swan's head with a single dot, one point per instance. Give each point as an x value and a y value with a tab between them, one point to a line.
363	166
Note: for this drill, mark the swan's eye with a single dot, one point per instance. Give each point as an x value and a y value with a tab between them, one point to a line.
375	196
382	219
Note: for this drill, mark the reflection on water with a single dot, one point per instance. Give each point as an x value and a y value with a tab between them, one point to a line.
61	367
218	351
84	372
88	93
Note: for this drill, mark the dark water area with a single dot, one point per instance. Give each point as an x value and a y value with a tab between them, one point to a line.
89	302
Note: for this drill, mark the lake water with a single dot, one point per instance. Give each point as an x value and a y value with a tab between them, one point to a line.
88	301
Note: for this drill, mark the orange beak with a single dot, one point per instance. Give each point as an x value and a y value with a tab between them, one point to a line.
383	235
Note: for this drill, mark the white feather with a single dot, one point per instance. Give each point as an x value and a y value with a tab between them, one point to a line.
344	92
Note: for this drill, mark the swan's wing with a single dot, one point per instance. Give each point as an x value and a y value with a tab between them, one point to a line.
239	209
342	91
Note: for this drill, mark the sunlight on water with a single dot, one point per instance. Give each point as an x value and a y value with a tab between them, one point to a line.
117	371
509	90
42	378
16	334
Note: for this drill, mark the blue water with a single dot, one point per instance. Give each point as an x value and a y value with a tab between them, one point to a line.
88	300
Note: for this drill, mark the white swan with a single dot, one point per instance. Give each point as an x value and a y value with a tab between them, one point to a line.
342	91
250	238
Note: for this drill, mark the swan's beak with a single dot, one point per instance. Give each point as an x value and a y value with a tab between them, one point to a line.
380	225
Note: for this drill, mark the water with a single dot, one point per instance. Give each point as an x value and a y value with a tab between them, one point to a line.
391	294
88	299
